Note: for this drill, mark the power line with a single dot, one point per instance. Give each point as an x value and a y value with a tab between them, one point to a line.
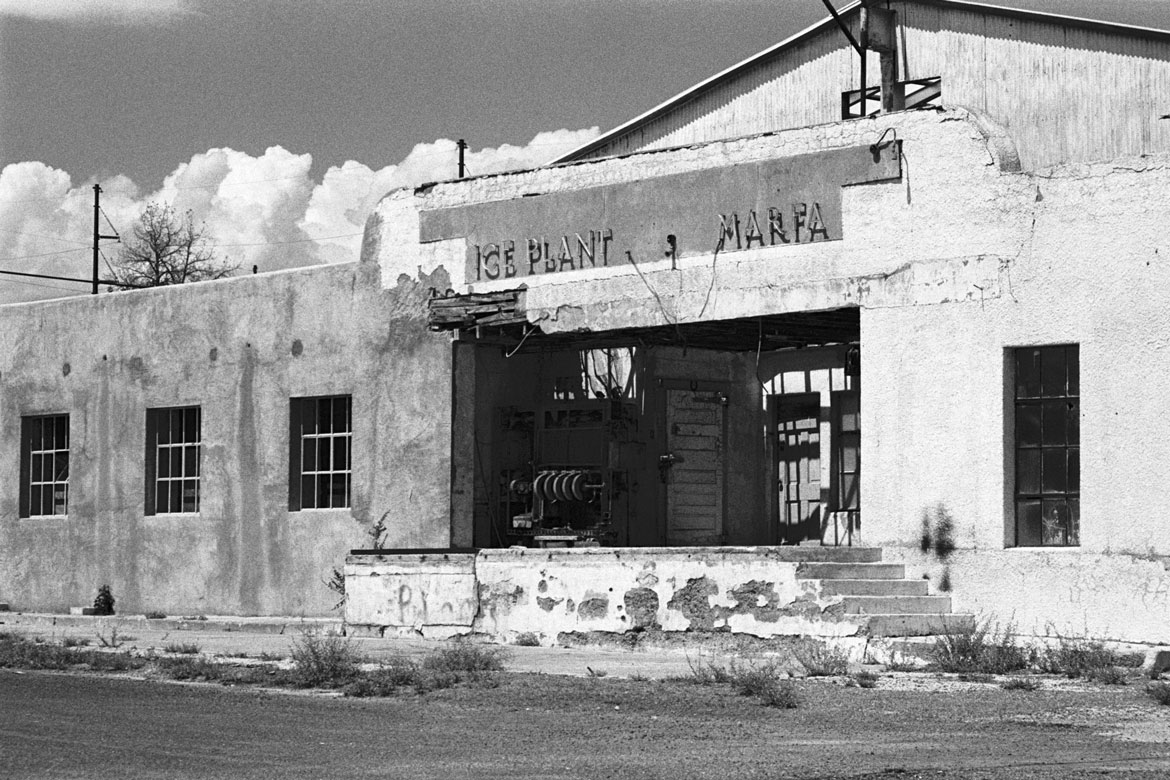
42	235
46	254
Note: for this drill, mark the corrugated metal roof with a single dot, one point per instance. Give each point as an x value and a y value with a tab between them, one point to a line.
691	93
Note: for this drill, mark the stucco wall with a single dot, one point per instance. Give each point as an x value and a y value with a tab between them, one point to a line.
239	348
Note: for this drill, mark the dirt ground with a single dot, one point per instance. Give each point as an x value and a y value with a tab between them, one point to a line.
546	726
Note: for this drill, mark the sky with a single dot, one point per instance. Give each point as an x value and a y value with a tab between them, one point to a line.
280	123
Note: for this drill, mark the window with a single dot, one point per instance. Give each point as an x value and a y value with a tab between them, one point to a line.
320	433
1047	446
44	465
174	447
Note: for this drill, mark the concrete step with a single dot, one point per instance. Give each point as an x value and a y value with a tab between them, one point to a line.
897	605
824	554
874	587
918	625
850	571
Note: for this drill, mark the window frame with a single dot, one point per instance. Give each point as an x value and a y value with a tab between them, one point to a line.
306	477
159	421
1045	446
27	455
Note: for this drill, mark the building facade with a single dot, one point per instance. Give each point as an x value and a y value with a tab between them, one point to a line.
742	323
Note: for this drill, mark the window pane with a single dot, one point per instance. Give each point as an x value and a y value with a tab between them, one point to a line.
1055	471
849	495
1028	425
163	462
61	466
37	433
191	425
176	424
190	495
1072	411
1028	533
1074	521
176	455
308	492
191	461
1055	522
162	498
1055	422
161	421
324	414
36	469
323	491
1027	373
309	455
62	433
340	489
324	445
341	414
341	453
1028	471
1052	372
1074	470
60	499
1072	356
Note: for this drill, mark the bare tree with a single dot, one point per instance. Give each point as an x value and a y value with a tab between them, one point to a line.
167	249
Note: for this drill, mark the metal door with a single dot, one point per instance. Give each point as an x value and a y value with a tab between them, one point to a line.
692	467
798	466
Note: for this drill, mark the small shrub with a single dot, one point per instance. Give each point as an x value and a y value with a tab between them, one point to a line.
74	641
638	678
527	639
707	673
1021	684
436	680
766	683
1159	692
189	668
156	615
323	661
865	679
377	532
103	603
182	648
1077	657
112	638
1108	675
336	583
385	680
821	660
903	665
462	657
977	649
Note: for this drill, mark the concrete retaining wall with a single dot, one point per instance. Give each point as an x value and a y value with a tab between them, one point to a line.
504	593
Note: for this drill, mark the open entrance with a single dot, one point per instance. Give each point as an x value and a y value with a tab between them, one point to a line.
738	432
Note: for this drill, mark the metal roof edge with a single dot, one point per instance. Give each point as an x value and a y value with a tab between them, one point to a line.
693	92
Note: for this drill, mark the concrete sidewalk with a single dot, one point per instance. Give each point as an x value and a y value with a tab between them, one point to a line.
270	638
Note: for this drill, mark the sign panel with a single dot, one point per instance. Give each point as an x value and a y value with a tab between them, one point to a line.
784	202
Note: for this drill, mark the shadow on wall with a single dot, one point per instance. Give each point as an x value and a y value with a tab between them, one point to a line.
938	537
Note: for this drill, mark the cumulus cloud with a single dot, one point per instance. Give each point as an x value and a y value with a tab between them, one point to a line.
123	11
263	210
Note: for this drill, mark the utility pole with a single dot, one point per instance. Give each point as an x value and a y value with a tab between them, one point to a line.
97	236
462	146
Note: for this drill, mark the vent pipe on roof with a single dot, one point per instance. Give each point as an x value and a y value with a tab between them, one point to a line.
877	33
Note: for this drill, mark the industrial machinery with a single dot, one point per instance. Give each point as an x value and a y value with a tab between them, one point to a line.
573	486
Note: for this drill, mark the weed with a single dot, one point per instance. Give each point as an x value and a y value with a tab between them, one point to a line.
1159	692
706	673
156	615
103	603
864	679
596	673
377	532
74	641
978	649
903	665
1108	675
336	583
638	678
1077	657
113	638
820	659
1020	684
385	680
323	661
461	657
527	639
765	682
182	648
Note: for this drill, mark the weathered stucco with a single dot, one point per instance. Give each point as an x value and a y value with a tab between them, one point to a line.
240	349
